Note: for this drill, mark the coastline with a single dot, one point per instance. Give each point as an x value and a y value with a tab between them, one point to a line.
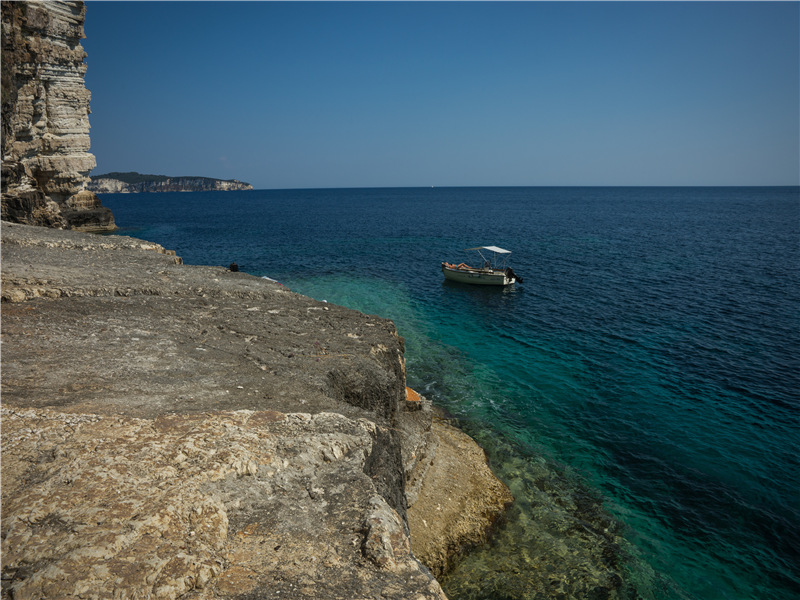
228	415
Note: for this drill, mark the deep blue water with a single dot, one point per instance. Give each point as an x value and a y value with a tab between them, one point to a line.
652	350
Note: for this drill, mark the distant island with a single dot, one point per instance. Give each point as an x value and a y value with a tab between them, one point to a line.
132	182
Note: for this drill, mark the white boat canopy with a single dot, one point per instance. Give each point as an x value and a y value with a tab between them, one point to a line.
491	249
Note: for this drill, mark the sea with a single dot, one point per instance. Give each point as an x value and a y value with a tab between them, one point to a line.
648	360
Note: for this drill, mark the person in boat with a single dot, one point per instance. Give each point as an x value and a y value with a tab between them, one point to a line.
459	266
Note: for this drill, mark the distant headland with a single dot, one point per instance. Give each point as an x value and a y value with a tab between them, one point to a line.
132	182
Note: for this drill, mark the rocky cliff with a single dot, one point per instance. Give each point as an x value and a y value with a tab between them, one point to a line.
174	431
45	118
127	183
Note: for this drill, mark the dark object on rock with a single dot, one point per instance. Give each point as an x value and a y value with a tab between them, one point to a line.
234	267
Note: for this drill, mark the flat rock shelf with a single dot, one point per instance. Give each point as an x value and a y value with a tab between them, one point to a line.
182	431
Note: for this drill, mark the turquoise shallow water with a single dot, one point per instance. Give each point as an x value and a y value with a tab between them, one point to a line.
650	357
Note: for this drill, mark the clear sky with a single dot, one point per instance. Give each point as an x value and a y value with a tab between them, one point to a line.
375	94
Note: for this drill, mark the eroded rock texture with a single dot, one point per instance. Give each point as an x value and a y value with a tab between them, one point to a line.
171	431
221	504
45	118
458	500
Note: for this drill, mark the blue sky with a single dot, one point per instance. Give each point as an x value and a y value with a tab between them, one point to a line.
375	94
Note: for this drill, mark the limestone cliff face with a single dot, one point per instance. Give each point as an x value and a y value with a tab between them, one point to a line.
122	184
45	118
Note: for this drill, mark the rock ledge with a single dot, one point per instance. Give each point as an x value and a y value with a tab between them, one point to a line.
171	431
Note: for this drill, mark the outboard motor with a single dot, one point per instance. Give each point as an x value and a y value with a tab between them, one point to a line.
510	273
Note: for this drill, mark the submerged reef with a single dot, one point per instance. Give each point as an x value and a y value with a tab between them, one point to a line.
557	541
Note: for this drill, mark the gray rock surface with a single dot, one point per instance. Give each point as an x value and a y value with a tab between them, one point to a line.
222	505
176	431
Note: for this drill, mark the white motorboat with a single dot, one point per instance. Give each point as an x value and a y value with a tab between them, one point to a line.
493	270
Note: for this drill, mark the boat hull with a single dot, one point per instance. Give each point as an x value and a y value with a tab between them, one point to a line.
477	276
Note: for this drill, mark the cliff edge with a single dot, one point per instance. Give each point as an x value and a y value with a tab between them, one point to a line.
177	431
45	119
